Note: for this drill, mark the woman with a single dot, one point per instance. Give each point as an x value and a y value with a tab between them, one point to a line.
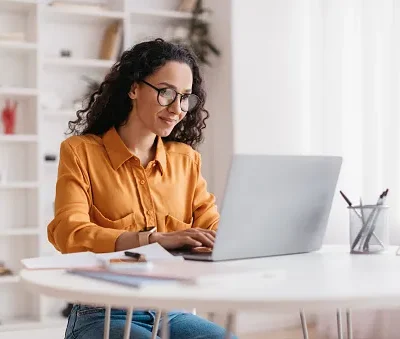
130	176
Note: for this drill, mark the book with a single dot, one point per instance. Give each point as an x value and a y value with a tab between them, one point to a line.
112	42
136	282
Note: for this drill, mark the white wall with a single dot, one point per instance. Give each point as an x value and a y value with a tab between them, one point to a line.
219	135
285	98
270	70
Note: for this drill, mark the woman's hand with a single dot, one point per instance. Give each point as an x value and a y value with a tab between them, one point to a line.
192	237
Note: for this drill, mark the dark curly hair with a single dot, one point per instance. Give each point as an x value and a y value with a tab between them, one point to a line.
109	106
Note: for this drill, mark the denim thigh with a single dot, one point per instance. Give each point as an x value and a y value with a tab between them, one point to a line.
88	322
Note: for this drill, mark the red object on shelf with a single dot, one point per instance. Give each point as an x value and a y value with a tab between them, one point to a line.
8	115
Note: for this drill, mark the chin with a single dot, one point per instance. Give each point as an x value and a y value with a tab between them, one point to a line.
164	133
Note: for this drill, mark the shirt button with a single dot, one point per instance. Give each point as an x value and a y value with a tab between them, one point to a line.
148	212
142	182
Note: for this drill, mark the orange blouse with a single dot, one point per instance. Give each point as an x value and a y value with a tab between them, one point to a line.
103	191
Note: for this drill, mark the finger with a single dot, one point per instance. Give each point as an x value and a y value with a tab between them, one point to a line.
189	241
209	233
203	239
209	236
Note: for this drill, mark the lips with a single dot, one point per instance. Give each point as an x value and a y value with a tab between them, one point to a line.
168	120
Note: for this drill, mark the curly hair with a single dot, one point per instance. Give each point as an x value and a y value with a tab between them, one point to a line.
109	106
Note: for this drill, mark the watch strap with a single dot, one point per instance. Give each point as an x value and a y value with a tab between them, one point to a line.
145	235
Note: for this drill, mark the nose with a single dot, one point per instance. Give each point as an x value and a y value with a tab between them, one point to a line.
175	107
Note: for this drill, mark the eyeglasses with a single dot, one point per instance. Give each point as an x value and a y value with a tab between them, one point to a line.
167	96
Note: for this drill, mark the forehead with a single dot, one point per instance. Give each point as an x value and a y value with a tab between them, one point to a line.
176	73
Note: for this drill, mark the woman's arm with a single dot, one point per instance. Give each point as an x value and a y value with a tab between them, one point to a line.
71	229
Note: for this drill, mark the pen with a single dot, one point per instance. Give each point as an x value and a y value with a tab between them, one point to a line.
132	254
349	203
370	222
381	201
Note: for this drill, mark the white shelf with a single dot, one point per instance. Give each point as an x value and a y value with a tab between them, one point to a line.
74	62
161	14
9	279
54	321
51	164
18	138
18	46
17	5
76	13
19	185
16	232
32	324
61	113
18	92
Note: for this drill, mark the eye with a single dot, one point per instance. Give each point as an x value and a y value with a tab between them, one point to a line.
167	93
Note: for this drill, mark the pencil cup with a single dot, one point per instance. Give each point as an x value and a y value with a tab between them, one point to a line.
369	231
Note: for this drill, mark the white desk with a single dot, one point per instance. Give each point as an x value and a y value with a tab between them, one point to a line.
327	279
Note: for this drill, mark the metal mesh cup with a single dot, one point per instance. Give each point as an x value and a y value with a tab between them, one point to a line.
369	231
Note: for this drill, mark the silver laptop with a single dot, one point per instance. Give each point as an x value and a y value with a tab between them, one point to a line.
274	205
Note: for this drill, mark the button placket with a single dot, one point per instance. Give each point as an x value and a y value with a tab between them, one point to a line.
148	205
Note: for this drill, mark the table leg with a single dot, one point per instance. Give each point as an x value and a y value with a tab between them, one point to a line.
349	324
164	326
107	322
339	323
128	323
304	324
230	324
156	324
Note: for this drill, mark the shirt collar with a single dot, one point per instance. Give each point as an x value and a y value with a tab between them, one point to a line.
119	153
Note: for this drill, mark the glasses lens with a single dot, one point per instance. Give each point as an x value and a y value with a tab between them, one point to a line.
166	96
189	102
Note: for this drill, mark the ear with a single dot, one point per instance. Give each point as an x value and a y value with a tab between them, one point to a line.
133	92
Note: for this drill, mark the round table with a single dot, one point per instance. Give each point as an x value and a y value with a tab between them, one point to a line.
326	279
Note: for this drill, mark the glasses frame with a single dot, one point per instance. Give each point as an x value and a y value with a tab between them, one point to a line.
176	95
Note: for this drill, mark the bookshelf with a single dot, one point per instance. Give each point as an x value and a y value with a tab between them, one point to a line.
46	86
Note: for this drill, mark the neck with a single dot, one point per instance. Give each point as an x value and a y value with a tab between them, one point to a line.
137	138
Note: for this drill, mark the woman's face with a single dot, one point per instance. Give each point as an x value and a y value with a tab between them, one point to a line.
158	119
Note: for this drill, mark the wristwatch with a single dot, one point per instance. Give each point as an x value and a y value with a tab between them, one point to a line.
144	235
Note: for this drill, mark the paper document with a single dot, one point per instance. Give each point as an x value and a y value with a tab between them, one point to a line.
184	271
153	252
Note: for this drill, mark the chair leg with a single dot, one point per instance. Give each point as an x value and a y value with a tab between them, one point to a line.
230	324
304	324
128	323
349	324
156	325
339	323
164	326
107	322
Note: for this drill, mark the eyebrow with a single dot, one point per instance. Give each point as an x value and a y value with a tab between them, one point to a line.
174	87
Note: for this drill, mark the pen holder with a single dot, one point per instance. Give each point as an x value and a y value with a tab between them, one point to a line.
369	231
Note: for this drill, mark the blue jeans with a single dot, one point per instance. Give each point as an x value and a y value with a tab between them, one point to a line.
87	322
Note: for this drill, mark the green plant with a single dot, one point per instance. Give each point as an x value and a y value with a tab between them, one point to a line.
198	37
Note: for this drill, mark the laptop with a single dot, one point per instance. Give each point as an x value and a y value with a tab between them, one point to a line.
273	205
